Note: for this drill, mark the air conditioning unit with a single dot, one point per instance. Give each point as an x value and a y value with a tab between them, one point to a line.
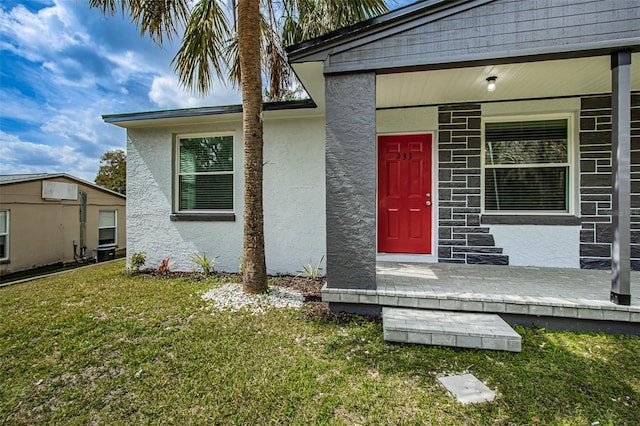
104	254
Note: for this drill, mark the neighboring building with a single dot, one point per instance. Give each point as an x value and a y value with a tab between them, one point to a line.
406	155
48	219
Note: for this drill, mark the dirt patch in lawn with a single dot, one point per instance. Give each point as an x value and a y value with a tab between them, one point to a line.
308	288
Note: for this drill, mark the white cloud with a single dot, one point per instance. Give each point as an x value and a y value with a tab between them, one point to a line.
71	127
166	93
84	130
129	63
19	156
16	106
78	47
35	36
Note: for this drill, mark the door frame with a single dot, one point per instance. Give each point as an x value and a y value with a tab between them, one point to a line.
414	257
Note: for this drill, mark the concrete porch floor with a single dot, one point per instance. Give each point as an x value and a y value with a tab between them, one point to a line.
550	297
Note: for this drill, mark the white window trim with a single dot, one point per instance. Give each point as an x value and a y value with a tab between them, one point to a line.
6	235
571	190
176	171
115	228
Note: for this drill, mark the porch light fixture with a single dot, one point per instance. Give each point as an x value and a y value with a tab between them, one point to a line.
491	83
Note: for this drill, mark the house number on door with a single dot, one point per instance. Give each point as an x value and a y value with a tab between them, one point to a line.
404	156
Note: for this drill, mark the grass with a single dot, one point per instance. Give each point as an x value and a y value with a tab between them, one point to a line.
98	346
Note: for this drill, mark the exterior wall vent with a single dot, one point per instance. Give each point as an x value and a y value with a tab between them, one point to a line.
59	191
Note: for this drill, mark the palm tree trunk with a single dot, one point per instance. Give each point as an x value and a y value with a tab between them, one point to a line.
254	274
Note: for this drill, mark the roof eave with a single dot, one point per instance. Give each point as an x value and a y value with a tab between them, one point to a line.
203	111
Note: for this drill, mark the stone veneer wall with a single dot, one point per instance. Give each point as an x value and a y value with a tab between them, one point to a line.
596	234
461	239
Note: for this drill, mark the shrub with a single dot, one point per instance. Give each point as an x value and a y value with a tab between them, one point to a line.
165	266
207	265
310	271
137	260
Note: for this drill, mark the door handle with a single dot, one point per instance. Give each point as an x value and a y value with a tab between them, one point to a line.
428	203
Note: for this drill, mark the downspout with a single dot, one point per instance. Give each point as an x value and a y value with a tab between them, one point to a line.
83	224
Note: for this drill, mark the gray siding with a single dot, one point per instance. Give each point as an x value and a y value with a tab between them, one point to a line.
351	181
501	29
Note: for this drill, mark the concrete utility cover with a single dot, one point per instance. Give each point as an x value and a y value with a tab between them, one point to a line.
467	389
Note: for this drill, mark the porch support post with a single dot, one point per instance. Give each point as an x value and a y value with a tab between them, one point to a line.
351	180
621	170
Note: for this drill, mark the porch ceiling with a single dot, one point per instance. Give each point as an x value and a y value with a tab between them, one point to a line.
567	77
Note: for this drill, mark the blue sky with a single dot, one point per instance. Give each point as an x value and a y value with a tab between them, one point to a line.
63	65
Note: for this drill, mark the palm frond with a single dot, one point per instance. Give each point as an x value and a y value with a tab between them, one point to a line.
158	18
306	19
203	53
233	57
275	66
209	46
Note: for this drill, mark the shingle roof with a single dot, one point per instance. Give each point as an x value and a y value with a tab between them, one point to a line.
28	177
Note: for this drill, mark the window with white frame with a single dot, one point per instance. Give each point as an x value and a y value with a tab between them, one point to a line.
107	227
527	166
204	174
4	234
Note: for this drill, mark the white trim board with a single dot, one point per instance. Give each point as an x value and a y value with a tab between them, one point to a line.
406	257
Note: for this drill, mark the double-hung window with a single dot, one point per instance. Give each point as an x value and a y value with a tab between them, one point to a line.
527	166
107	227
204	173
4	234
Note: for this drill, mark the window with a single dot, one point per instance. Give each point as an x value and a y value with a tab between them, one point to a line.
4	234
205	174
107	227
527	166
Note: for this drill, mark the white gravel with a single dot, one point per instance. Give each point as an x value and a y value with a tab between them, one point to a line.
231	297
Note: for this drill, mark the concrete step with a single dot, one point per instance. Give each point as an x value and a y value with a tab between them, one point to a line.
446	328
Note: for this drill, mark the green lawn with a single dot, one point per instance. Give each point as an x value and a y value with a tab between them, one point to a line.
98	346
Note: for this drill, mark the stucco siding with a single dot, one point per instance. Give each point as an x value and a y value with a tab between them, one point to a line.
293	198
407	120
150	205
294	194
539	245
499	29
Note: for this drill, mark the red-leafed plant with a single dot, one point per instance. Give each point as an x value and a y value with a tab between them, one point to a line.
165	266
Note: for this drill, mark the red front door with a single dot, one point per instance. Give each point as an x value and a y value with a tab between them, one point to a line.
404	194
